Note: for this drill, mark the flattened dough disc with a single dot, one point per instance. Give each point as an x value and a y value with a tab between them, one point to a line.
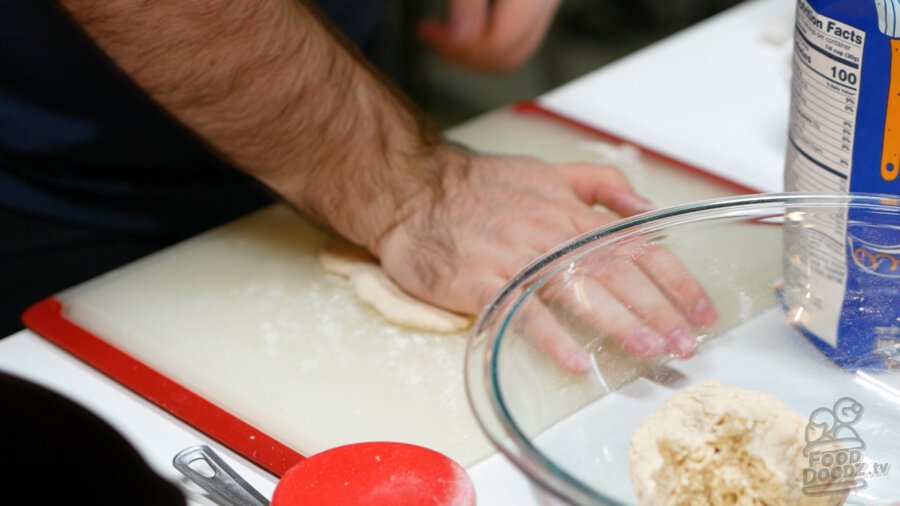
376	289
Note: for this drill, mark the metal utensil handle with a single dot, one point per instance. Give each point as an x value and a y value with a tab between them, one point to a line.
225	486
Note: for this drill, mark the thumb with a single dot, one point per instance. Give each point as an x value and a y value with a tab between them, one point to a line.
604	185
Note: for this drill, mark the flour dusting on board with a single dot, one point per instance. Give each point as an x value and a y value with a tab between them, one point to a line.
247	316
397	354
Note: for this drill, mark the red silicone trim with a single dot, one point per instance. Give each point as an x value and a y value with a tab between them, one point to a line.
46	319
531	107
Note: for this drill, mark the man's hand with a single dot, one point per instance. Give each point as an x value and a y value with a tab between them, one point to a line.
494	215
488	35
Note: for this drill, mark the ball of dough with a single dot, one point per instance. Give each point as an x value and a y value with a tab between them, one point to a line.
714	444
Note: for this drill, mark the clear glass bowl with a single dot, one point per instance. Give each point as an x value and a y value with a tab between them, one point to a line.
757	259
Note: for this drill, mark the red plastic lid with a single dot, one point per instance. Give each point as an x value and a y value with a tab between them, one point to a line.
376	474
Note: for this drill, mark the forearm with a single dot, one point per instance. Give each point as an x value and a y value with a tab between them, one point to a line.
268	86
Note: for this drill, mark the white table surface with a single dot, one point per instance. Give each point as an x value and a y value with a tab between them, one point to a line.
159	436
715	96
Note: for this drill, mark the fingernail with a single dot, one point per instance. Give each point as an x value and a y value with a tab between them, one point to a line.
704	313
647	343
578	362
682	343
639	204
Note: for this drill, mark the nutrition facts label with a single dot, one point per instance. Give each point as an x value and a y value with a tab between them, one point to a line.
840	267
824	98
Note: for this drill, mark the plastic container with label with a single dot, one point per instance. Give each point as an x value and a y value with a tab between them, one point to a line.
845	138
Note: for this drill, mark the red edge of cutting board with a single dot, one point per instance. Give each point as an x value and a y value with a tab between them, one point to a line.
46	318
532	107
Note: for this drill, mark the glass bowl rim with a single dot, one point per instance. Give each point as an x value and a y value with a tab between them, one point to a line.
482	381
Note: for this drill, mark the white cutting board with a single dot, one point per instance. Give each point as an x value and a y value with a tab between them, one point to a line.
245	317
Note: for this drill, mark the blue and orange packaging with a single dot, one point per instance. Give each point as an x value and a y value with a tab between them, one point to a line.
845	138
